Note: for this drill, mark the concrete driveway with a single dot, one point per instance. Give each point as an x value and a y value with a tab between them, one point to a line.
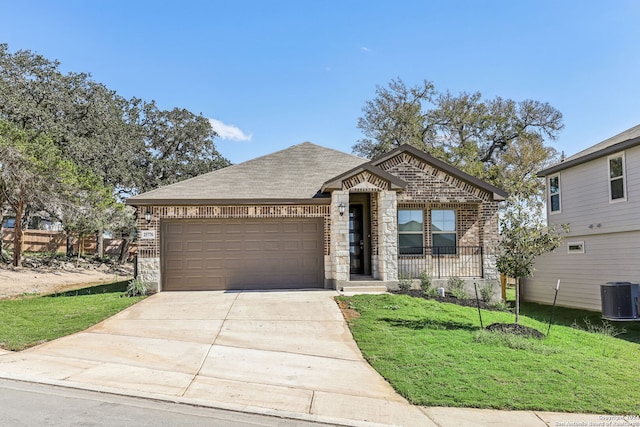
286	353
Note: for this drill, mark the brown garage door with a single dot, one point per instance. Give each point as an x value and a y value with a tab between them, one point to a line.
275	253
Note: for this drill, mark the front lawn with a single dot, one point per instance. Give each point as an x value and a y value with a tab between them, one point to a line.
31	320
436	354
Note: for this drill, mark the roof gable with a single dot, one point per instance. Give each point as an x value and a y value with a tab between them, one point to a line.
496	193
293	174
365	177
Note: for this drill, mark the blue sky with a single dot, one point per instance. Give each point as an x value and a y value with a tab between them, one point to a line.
278	73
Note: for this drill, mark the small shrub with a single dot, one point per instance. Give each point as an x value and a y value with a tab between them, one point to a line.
426	284
136	287
404	283
501	306
455	286
486	291
606	329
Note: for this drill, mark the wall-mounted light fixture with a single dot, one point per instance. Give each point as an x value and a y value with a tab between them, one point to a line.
341	208
147	216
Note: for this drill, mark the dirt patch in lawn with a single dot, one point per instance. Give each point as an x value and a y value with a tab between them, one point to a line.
516	329
16	282
347	312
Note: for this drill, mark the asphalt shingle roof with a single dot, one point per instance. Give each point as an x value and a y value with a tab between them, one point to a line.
297	172
619	142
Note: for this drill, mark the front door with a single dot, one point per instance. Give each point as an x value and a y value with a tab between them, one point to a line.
356	239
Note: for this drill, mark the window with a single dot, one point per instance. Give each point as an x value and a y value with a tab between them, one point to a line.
575	247
616	178
410	232
443	231
554	193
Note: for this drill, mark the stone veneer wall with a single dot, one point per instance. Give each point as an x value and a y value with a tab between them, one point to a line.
339	253
387	236
149	249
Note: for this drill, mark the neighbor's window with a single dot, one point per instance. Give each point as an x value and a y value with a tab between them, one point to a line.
575	247
443	231
554	193
410	231
616	178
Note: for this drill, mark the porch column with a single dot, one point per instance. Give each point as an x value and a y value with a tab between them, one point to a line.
340	237
388	235
490	239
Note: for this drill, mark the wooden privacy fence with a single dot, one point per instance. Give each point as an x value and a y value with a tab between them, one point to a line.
48	241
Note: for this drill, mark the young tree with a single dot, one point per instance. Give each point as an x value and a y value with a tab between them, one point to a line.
485	138
524	236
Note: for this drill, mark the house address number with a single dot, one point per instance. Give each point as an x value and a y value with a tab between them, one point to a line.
148	234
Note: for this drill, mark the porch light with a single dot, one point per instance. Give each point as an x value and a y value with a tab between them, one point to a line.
147	216
341	208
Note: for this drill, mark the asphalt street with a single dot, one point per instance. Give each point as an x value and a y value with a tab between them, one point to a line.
29	404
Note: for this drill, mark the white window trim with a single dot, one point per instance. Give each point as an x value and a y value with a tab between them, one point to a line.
624	178
579	250
422	232
559	193
454	232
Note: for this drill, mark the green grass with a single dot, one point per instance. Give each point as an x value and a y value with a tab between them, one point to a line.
436	354
31	320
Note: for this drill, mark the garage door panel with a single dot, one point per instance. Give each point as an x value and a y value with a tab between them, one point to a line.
310	245
193	228
195	264
194	246
291	227
173	228
213	228
254	245
234	228
176	247
242	254
310	228
291	245
211	247
233	245
253	228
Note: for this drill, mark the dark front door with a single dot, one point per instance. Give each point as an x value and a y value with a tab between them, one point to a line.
356	239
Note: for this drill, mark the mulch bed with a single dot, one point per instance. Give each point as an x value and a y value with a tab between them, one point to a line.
516	329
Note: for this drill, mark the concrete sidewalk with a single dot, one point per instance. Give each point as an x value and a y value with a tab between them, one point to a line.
282	353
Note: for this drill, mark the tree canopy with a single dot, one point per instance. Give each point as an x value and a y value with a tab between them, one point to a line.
498	140
112	147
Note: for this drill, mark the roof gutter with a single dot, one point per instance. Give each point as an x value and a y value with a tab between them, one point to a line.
612	149
229	202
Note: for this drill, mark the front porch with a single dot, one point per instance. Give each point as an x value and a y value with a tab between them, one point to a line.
440	262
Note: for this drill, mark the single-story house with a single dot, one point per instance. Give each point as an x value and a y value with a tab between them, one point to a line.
310	216
597	193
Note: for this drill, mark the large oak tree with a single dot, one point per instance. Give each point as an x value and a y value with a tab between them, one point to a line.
129	146
499	140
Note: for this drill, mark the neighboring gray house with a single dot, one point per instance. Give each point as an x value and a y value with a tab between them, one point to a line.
596	192
310	216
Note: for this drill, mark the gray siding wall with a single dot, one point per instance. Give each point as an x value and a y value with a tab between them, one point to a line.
611	257
610	231
585	198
